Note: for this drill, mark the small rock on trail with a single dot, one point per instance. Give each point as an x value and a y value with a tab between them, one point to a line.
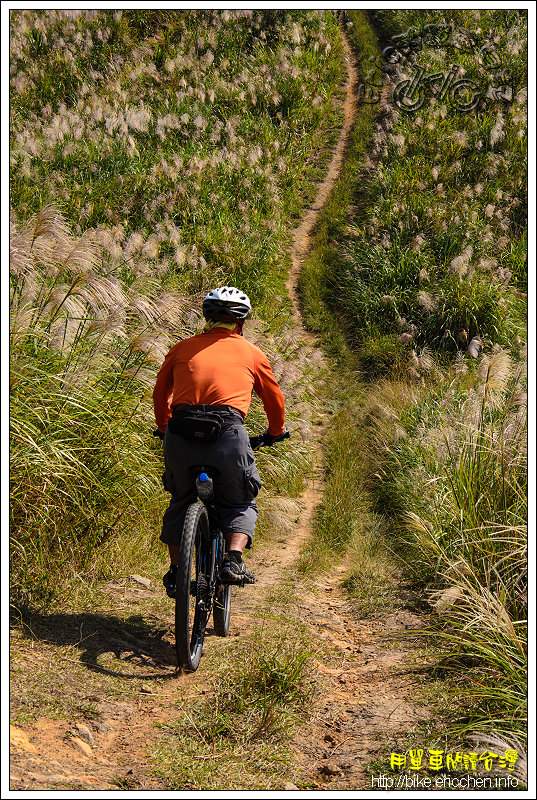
85	734
140	579
84	747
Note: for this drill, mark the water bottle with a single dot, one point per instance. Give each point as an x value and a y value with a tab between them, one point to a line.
204	486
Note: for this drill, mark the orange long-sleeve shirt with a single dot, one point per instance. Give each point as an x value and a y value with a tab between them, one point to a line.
217	367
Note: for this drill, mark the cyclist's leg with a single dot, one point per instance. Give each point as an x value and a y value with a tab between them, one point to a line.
236	541
174	550
173	521
179	455
234	569
242	524
237	481
236	484
171	534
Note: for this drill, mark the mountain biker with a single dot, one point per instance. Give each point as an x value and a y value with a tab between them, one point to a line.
206	382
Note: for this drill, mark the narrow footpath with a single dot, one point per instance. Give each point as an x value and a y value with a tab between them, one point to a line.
369	695
366	692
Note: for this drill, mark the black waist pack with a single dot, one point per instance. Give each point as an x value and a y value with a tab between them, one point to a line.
197	426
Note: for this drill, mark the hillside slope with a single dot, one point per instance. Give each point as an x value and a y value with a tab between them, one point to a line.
136	724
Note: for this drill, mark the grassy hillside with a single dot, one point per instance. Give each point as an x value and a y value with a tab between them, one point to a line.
153	154
418	279
193	137
435	254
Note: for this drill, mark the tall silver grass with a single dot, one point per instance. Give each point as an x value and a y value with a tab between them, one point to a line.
474	537
84	352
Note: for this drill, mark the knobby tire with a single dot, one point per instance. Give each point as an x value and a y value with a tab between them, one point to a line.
222	603
192	608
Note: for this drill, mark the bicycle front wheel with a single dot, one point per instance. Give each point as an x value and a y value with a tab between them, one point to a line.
222	596
192	596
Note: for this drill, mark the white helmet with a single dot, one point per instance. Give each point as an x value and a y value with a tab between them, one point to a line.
226	303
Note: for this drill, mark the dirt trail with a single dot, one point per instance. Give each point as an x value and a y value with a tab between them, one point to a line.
102	743
302	234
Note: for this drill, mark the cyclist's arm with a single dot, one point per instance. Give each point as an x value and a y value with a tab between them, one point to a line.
266	387
163	393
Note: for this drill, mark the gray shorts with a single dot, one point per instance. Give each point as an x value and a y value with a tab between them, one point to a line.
236	480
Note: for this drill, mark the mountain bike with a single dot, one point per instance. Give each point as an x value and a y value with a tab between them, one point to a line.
199	589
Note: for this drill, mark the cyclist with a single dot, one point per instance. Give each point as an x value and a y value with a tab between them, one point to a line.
206	383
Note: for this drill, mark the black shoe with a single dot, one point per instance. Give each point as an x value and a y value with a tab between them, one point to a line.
236	573
169	581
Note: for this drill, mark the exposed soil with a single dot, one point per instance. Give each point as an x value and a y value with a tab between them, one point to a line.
302	234
115	676
369	697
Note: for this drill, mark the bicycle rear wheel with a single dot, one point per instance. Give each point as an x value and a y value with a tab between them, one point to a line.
192	597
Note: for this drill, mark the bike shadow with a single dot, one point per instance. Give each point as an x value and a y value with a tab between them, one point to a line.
103	639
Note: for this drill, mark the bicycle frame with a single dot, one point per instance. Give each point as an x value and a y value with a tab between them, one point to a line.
211	570
198	571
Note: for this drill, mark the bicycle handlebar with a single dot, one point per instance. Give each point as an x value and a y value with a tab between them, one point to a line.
256	442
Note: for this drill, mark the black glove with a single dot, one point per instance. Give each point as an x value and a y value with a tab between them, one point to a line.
266	440
159	434
280	438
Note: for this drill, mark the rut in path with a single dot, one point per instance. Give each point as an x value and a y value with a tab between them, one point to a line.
366	689
302	234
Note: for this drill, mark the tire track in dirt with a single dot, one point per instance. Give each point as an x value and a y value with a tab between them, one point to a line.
367	689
